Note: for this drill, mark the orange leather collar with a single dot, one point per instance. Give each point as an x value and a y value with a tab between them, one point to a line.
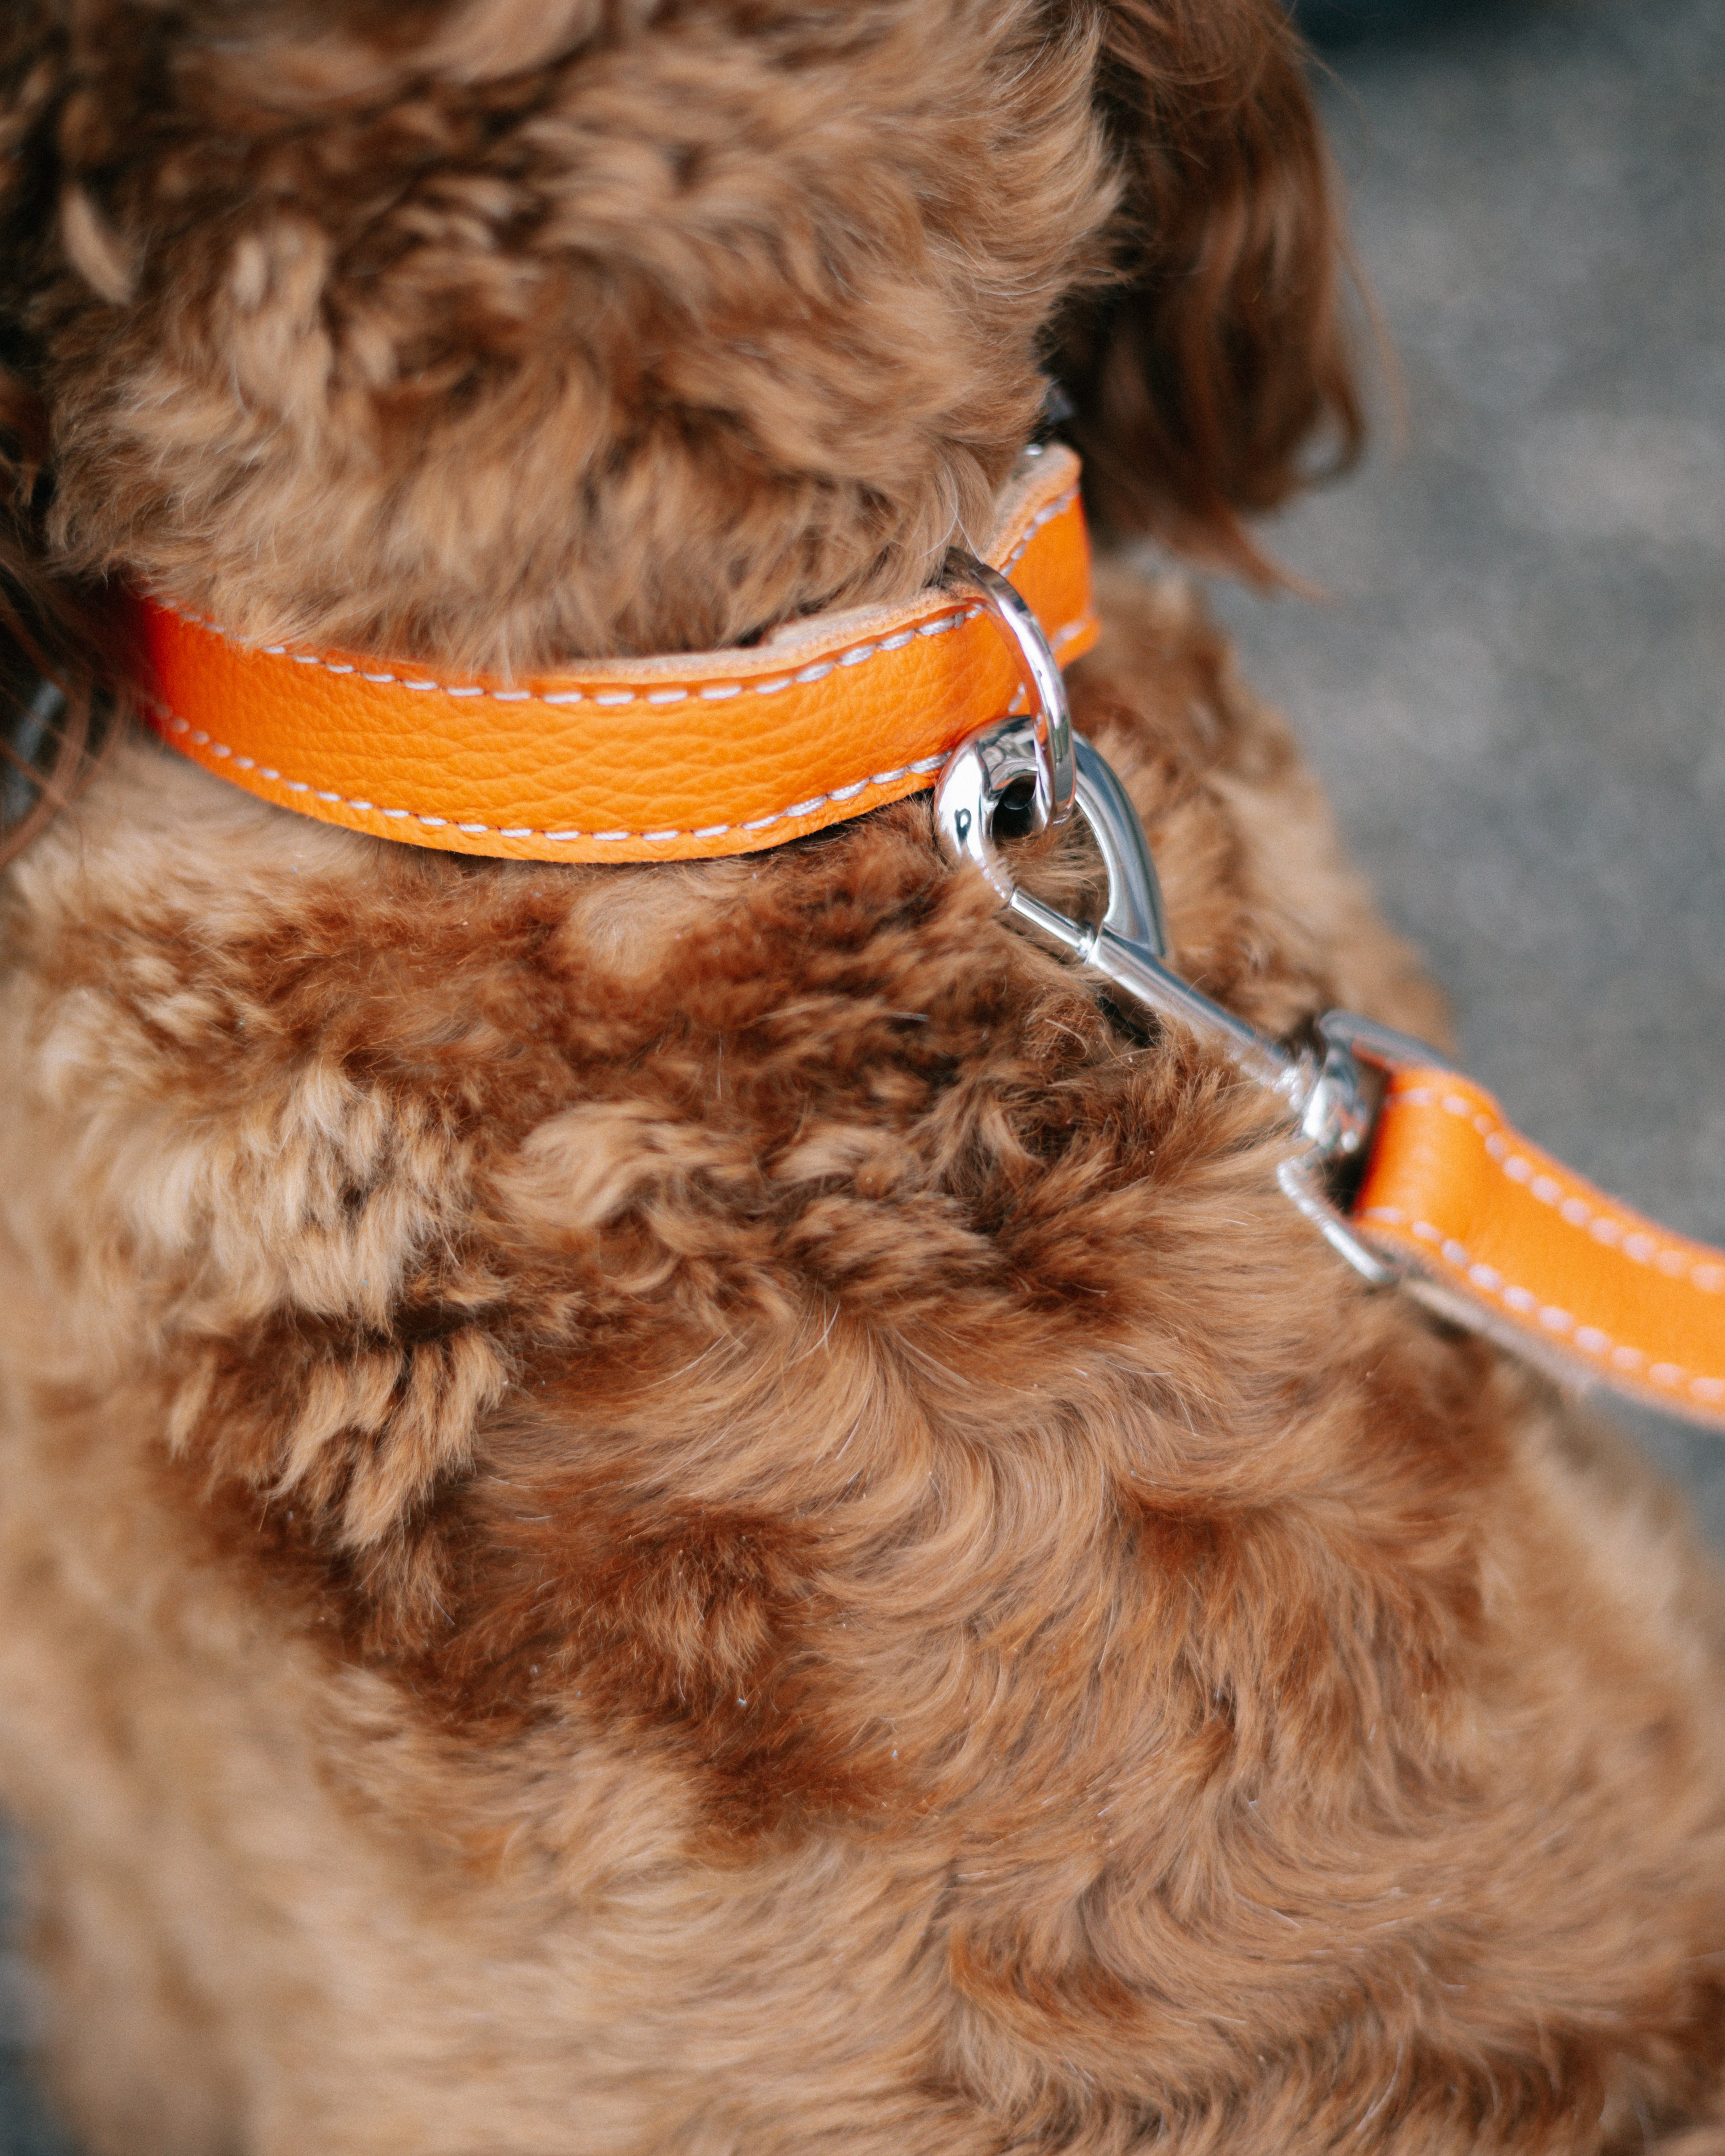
672	758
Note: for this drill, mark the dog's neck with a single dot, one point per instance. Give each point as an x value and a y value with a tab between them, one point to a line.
678	757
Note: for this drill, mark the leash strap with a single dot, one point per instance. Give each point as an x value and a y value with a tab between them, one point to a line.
679	758
1464	1200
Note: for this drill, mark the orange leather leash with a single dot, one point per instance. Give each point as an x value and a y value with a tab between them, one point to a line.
666	758
1459	1196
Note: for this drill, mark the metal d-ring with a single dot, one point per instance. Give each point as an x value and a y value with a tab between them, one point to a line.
1330	1103
1053	773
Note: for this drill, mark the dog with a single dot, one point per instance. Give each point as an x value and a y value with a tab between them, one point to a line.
706	1507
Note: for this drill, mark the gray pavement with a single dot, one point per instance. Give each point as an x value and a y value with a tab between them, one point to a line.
1516	692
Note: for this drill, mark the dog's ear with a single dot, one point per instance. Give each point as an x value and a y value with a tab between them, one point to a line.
59	639
1217	363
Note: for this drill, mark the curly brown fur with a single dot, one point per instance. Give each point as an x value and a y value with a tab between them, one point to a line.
702	1508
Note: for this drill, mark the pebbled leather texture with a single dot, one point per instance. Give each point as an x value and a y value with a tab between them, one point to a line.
1453	1189
678	758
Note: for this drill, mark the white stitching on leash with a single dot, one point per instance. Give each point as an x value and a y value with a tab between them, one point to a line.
1587	1339
1638	1246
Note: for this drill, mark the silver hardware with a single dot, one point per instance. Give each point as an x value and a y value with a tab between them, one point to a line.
1134	911
1052	775
1127	943
973	787
1333	1102
1380	1046
1337	1120
1302	1180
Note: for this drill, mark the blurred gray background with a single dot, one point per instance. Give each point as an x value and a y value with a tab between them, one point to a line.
1515	692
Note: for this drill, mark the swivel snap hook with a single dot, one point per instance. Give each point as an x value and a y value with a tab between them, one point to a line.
1331	1104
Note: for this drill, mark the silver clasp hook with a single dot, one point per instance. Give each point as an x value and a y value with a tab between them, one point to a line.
1332	1101
1040	747
1129	942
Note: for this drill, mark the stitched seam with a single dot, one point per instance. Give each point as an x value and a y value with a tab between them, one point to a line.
664	692
199	737
1707	1274
1523	1303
